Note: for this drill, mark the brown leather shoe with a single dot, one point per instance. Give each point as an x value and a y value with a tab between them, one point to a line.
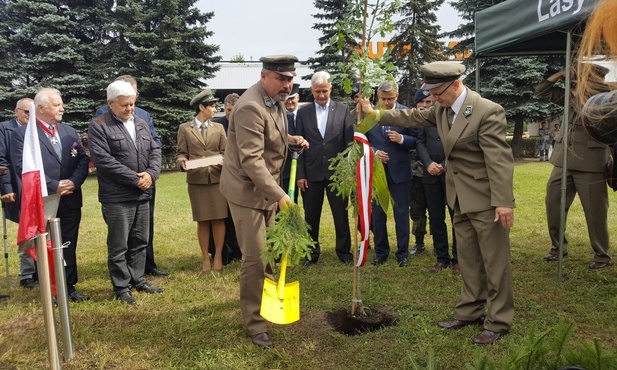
459	324
599	265
488	337
456	270
262	340
438	267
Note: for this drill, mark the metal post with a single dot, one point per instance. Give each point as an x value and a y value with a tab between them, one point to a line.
42	262
68	352
6	254
564	168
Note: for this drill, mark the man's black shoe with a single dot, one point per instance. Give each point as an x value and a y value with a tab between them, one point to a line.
403	262
417	249
75	296
308	263
156	272
145	287
380	261
29	283
126	297
347	262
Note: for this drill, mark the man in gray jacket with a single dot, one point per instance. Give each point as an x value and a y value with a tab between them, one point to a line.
128	161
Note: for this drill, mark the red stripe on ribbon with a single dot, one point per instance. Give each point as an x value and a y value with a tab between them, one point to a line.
364	183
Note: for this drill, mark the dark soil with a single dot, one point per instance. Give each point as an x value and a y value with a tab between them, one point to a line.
373	319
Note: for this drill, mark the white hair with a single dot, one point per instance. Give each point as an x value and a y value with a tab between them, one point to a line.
42	97
320	78
119	88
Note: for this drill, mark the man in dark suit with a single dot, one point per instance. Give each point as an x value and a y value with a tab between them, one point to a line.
585	175
66	168
328	127
231	251
151	267
391	146
229	102
250	179
479	186
11	186
430	151
291	106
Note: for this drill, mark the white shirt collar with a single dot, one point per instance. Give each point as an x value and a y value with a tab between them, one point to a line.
458	103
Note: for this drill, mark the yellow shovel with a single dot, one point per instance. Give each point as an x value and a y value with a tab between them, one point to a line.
280	302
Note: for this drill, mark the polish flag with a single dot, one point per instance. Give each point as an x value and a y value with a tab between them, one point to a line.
32	221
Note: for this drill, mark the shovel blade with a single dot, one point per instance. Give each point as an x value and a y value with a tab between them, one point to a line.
280	311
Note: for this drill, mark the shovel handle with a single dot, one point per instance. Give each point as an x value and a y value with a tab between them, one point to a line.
280	287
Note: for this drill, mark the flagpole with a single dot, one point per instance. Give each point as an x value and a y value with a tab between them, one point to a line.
64	316
42	263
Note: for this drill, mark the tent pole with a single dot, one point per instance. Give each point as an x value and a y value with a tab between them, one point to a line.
477	75
564	168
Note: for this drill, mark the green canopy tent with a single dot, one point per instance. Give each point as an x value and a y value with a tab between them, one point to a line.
530	27
535	27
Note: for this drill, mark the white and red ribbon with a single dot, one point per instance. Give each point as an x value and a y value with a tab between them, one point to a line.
364	183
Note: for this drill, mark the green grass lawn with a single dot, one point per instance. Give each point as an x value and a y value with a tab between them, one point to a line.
196	323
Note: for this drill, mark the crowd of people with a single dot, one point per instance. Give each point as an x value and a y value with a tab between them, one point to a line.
448	153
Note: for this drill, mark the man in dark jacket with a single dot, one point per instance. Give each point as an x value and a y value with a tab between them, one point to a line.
128	161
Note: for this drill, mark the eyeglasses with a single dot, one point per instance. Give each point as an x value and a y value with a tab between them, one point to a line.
24	110
444	90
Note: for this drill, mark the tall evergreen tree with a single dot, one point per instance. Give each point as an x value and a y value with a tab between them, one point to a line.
42	50
414	43
509	81
162	44
331	12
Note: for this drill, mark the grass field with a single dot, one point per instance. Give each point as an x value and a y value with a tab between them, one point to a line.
196	323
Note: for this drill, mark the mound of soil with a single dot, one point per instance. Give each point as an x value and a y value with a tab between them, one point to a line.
372	319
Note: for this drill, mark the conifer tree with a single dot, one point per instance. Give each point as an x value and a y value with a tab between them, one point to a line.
162	44
415	43
509	81
331	12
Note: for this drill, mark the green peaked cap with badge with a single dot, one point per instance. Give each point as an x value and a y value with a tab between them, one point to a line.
438	73
283	64
205	96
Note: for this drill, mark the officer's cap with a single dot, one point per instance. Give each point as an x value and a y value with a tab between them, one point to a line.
282	64
437	73
205	96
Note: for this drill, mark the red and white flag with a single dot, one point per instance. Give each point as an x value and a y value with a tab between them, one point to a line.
32	221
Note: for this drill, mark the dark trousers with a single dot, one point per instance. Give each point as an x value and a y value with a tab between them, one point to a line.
313	199
400	195
436	202
150	264
127	237
417	208
70	218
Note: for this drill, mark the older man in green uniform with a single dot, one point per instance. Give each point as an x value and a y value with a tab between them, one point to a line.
250	180
479	172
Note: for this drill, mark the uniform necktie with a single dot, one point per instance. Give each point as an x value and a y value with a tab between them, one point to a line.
54	142
450	113
204	131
